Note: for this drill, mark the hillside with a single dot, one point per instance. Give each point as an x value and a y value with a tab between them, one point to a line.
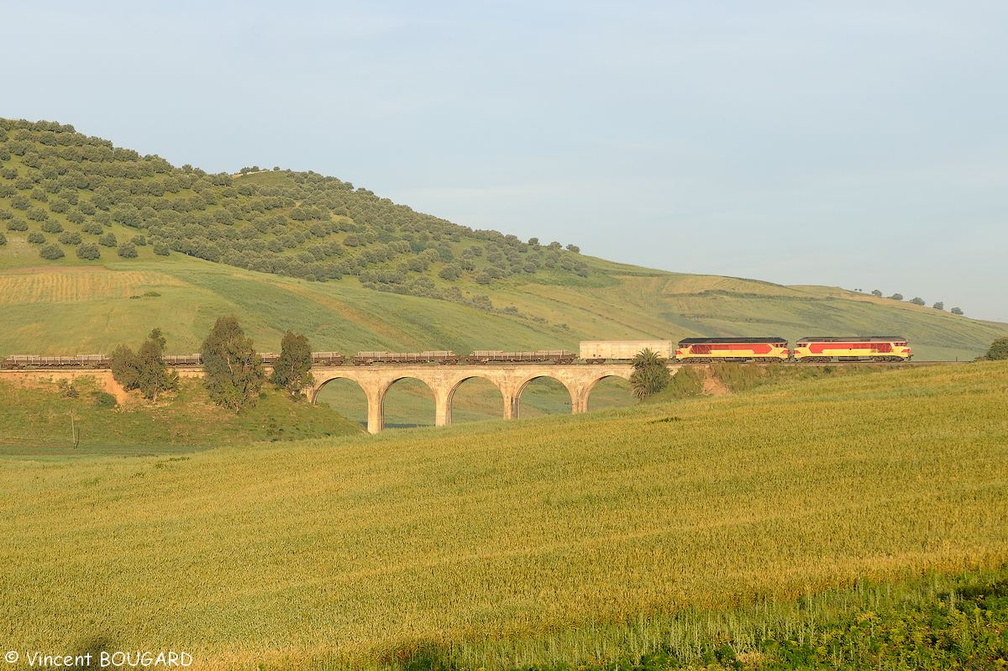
177	247
575	540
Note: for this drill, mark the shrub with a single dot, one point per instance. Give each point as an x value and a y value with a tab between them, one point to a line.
108	240
161	249
51	252
104	400
52	226
70	238
36	214
3	239
89	252
127	250
650	374
92	228
139	240
36	238
16	224
450	272
998	350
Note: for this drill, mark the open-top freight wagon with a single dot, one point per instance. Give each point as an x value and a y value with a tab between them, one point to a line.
445	357
486	356
28	361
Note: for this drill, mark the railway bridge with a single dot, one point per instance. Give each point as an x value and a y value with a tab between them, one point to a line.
510	379
444	381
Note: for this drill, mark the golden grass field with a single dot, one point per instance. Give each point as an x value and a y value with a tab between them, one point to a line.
524	542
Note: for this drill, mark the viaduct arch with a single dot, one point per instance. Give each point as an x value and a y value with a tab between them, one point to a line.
444	381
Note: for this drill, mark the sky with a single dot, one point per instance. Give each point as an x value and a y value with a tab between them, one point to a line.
852	143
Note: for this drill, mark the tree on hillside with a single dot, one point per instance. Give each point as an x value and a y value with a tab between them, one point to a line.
897	297
234	372
650	374
998	350
292	370
144	369
917	300
956	311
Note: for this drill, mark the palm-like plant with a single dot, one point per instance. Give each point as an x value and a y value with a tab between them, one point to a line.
650	375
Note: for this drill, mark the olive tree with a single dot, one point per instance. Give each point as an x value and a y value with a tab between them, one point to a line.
292	370
144	369
233	370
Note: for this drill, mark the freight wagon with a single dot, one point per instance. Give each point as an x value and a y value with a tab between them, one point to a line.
600	351
446	357
485	356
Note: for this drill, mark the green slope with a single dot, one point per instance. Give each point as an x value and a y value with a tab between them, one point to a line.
393	278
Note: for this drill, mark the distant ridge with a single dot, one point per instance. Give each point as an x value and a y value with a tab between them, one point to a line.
100	244
71	190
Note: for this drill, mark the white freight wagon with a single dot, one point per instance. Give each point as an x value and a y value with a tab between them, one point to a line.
623	350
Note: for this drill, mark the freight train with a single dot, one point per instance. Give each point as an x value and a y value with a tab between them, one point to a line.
823	349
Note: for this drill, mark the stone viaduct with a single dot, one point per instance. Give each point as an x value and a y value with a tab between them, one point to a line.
444	381
375	381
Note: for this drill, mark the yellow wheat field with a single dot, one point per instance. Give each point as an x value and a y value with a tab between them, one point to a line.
355	550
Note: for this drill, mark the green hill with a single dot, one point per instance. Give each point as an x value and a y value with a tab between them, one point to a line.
285	250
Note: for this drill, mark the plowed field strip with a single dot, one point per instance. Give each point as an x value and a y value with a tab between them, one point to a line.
71	286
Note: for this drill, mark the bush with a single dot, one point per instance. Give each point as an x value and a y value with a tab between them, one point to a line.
89	252
36	238
3	239
104	400
92	228
127	250
139	240
108	240
51	252
161	249
998	350
70	238
16	224
52	226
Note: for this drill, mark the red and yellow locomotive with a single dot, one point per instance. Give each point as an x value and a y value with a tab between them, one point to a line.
825	349
706	350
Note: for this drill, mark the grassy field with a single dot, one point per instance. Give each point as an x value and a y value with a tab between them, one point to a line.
511	544
43	421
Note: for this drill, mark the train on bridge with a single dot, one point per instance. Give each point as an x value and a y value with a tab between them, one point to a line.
819	349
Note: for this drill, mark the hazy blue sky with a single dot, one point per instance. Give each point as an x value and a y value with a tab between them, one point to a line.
855	143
